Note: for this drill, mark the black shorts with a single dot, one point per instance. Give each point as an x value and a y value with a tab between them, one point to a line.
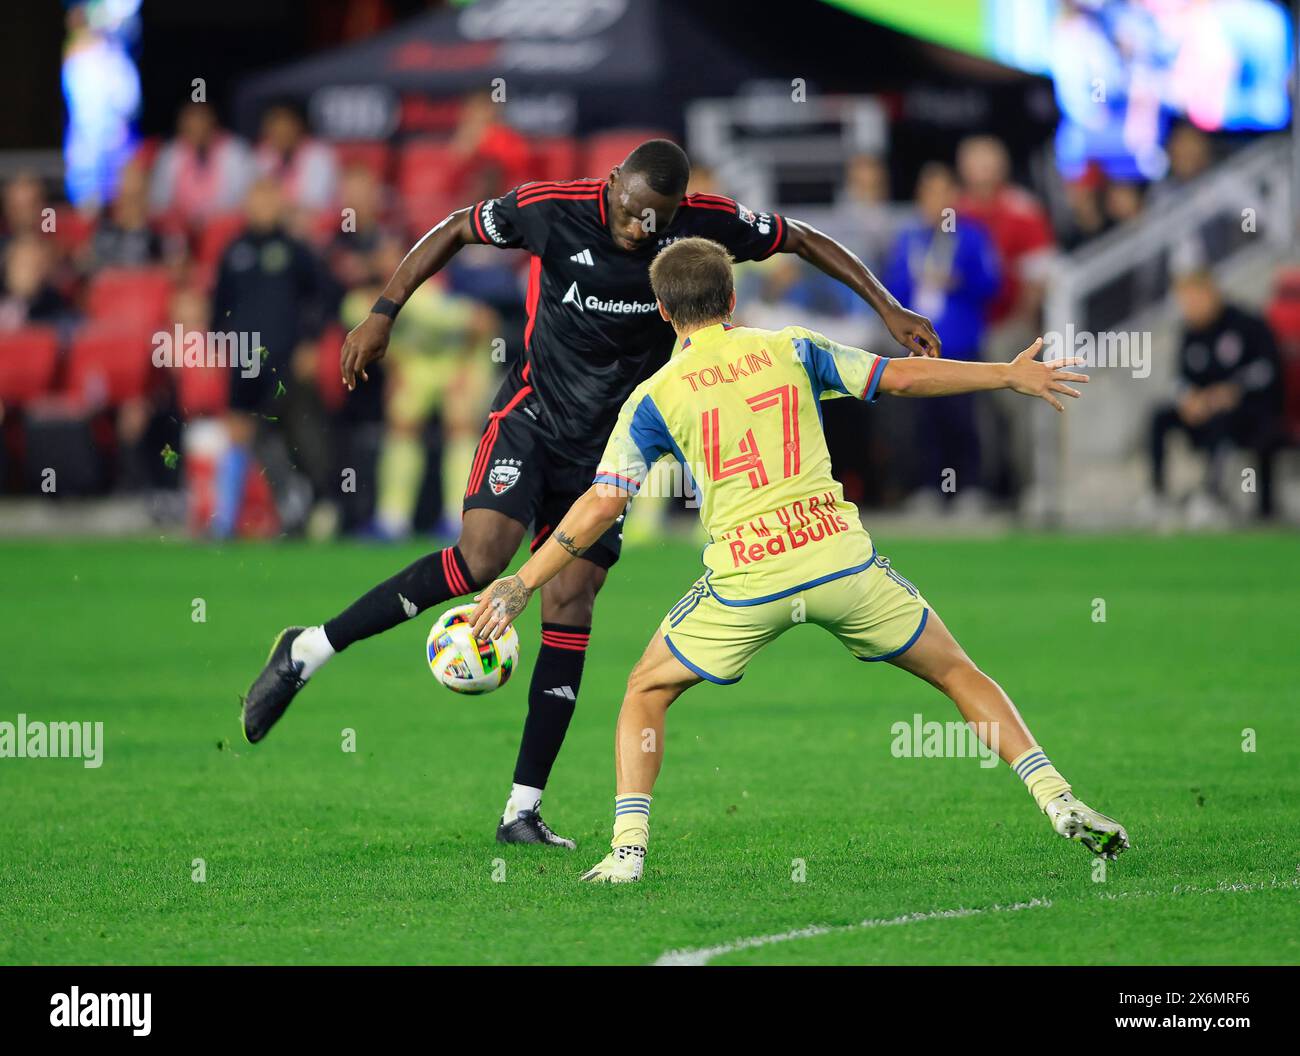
519	470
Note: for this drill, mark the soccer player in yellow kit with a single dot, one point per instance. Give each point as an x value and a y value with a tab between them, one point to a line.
740	408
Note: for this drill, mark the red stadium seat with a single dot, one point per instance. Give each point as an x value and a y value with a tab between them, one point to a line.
557	159
607	149
110	363
72	229
420	214
367	154
1284	317
203	392
130	296
427	168
427	172
217	234
28	360
329	379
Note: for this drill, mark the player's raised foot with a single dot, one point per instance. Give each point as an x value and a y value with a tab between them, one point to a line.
1075	820
528	827
622	865
274	689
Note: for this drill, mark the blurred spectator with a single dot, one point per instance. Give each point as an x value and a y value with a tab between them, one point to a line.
1229	394
29	295
349	251
125	238
492	156
148	421
438	363
945	266
24	203
703	181
1017	223
204	171
1122	201
862	217
271	292
304	167
1083	201
1190	154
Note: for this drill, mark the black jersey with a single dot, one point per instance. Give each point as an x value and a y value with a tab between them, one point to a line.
593	328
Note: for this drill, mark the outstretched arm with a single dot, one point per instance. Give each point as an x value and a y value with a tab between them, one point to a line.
909	329
587	520
1024	374
369	339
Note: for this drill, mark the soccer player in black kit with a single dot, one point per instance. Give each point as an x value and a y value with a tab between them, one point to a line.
593	334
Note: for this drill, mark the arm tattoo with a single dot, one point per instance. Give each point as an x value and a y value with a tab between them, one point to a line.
510	598
567	542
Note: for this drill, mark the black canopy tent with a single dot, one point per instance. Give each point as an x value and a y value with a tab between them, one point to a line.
565	65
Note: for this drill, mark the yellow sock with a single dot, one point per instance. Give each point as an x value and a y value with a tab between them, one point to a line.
631	820
1039	775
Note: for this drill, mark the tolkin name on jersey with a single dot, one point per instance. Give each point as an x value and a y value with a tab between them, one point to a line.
803	522
730	373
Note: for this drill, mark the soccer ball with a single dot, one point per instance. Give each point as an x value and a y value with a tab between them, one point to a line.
464	664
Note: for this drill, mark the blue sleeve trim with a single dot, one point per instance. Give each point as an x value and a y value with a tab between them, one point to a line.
821	368
873	382
619	481
650	432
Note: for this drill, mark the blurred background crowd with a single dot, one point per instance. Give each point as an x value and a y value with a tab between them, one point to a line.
260	212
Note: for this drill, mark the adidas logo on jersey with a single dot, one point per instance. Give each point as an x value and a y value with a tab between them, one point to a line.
564	692
583	258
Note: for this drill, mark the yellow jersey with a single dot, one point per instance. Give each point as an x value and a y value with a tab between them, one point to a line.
739	408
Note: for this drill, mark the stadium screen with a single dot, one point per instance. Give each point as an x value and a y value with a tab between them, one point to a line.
1123	69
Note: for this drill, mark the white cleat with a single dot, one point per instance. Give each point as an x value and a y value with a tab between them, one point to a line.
622	865
1075	820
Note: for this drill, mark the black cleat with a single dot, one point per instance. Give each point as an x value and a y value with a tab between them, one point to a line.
529	827
274	689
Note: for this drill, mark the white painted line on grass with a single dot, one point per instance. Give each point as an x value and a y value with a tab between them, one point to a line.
708	953
705	954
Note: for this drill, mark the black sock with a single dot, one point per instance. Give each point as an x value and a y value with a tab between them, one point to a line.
552	696
426	582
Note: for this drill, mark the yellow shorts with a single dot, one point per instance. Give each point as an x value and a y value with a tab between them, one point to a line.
875	613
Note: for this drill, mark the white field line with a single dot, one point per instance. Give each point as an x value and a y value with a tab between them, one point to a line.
705	954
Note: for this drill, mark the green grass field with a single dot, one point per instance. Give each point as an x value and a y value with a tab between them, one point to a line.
386	854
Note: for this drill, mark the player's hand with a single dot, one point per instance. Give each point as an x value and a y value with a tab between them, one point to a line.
367	342
498	606
914	332
1029	376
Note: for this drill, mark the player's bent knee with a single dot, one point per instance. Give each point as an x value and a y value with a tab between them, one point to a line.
570	597
485	560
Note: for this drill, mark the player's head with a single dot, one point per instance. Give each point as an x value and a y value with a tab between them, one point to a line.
644	192
936	191
693	283
984	165
1198	296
